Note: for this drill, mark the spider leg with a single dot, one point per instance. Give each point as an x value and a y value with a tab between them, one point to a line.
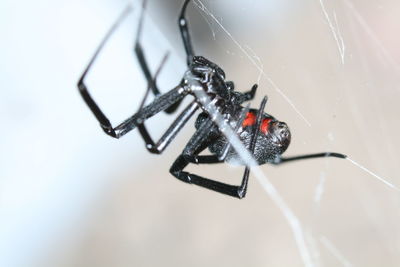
184	29
160	103
249	95
160	66
170	133
177	170
240	98
199	141
143	63
204	159
175	127
281	160
102	119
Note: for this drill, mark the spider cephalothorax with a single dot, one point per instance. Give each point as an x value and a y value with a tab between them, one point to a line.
265	137
210	76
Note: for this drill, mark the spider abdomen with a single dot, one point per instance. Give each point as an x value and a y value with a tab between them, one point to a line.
265	150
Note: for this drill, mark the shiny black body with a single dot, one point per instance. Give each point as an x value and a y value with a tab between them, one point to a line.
265	137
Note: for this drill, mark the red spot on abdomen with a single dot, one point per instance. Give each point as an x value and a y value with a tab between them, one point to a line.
265	125
249	120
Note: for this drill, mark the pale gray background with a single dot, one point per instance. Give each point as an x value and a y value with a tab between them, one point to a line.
72	196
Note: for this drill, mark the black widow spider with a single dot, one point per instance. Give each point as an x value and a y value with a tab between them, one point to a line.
265	137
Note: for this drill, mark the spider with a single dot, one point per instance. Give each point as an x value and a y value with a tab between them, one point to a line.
265	137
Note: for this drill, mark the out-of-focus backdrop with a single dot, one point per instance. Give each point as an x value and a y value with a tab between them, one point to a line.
72	196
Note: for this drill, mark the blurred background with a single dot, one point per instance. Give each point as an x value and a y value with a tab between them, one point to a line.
72	196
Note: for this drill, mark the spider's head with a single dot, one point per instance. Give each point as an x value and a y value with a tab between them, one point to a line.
202	65
210	76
